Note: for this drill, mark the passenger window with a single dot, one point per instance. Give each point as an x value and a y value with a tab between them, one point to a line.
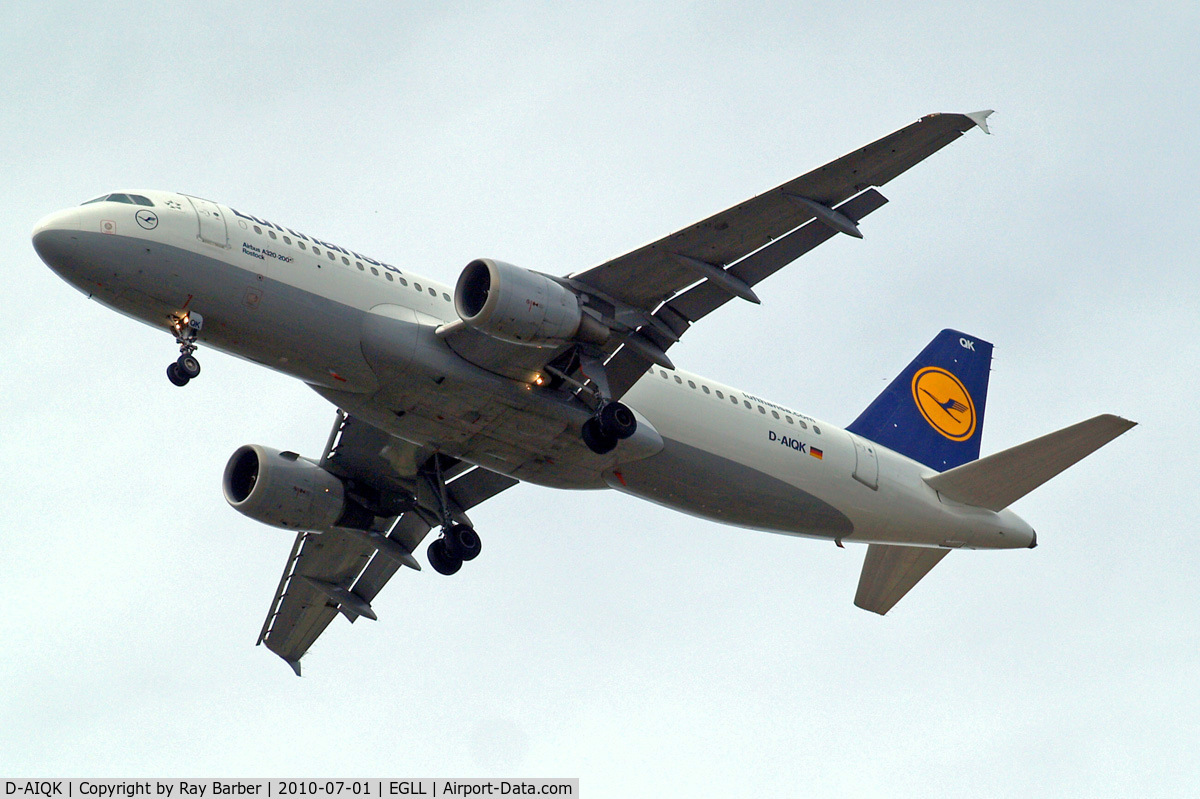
663	373
432	291
417	286
720	395
747	403
271	233
332	257
403	282
678	380
775	414
258	230
302	245
316	250
816	430
345	260
733	399
360	266
388	275
789	420
803	425
446	297
374	271
762	410
286	240
692	383
706	391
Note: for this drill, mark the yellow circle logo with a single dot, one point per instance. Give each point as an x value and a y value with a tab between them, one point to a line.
944	402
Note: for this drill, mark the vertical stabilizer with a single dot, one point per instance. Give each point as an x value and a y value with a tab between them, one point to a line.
933	412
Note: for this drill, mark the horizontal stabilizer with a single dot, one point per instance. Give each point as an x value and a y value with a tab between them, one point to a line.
889	572
997	481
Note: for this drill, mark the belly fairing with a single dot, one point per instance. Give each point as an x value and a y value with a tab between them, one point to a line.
713	487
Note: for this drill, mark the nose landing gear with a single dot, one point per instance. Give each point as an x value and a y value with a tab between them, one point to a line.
186	328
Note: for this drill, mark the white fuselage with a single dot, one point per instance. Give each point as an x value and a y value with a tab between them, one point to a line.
362	334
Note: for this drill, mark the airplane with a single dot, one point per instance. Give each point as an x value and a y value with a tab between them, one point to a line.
447	396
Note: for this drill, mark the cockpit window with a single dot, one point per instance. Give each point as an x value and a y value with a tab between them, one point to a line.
129	199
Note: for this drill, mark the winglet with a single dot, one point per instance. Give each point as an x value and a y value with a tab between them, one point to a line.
980	119
295	664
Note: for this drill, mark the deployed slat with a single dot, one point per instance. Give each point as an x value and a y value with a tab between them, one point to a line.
703	299
723	256
628	365
889	572
301	612
651	274
325	566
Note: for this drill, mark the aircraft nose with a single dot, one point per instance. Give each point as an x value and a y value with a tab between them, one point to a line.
55	237
67	219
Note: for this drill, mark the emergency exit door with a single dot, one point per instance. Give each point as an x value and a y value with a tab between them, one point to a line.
212	222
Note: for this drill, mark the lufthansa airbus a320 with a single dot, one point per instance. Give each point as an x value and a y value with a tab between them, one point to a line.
447	396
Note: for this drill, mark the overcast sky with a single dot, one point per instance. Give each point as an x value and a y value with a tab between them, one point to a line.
599	637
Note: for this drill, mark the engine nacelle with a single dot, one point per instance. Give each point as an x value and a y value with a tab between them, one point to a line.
284	490
514	304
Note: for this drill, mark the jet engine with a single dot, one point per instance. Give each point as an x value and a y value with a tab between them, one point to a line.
524	307
285	490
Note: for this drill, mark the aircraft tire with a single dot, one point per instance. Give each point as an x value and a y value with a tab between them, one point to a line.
596	439
175	376
188	366
462	542
441	559
617	421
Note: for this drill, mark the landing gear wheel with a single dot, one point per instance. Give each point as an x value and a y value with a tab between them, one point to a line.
596	439
441	559
617	421
462	542
175	376
188	366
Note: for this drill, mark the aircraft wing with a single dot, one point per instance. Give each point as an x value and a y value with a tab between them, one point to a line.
660	289
343	570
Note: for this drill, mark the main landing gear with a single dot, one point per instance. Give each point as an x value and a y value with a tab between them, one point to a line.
613	422
186	328
459	542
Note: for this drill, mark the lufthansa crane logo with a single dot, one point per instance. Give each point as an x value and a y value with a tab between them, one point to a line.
147	219
944	402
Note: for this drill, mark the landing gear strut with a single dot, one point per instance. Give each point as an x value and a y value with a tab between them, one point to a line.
459	542
612	421
186	328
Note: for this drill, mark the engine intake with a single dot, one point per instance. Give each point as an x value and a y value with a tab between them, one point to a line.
517	305
284	490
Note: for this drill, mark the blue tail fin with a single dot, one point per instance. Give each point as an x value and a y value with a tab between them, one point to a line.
933	412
